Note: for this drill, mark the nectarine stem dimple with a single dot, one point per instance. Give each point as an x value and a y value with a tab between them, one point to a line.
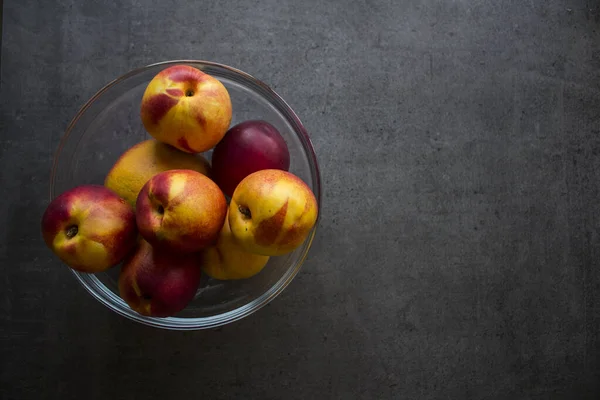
161	210
245	211
72	231
189	93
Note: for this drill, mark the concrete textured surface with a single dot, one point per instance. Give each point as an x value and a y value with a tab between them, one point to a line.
457	256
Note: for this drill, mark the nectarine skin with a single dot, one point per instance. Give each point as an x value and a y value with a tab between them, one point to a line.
272	212
248	147
180	210
144	160
89	228
227	260
186	108
158	283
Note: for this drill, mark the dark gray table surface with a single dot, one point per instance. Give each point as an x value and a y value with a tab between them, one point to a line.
457	256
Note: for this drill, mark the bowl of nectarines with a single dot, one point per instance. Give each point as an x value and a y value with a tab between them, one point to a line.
183	195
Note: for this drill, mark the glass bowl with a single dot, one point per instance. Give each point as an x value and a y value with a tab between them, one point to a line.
109	124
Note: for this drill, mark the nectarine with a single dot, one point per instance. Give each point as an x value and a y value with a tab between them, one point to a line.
186	108
246	148
144	160
158	283
89	228
272	212
181	210
228	260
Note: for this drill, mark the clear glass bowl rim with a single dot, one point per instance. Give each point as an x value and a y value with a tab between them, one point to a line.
109	299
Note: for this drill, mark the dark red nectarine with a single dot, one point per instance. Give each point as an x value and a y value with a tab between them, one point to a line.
248	147
159	283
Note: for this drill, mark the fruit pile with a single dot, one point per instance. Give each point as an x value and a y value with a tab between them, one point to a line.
163	212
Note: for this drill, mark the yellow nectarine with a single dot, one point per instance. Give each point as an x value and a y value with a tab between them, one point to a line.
144	160
228	260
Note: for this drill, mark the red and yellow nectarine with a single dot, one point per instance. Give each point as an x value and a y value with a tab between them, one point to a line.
272	212
186	108
181	210
89	228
